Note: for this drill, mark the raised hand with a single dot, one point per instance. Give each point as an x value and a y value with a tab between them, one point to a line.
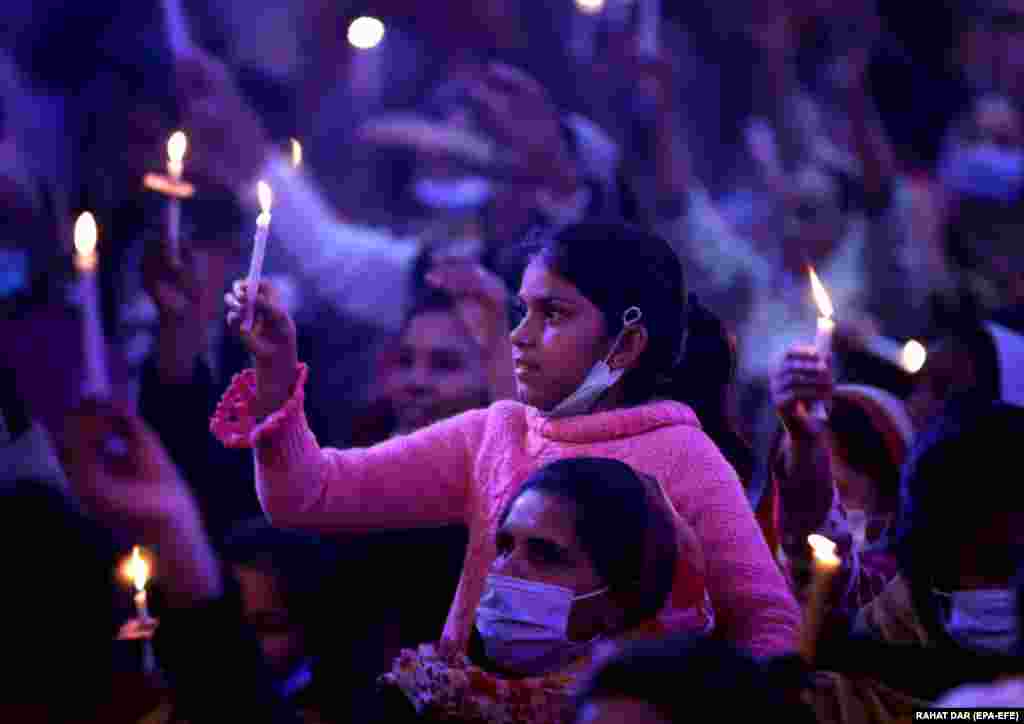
122	474
803	379
517	111
229	141
272	342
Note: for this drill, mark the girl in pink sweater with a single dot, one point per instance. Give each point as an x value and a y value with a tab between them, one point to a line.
596	363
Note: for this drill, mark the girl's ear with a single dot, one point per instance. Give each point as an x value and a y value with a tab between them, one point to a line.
634	342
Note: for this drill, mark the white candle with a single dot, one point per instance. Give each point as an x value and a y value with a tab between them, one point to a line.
910	356
259	250
97	380
176	147
650	17
584	27
296	153
826	566
823	338
177	27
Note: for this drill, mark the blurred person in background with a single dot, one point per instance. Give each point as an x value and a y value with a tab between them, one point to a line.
951	615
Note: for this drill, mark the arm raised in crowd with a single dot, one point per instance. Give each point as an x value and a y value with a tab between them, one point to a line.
360	270
418	480
127	482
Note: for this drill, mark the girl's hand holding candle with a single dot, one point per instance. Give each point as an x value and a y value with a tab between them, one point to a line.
826	566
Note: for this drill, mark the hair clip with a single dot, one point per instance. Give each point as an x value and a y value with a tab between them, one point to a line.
632	316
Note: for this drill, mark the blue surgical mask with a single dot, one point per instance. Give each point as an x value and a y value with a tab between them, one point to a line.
599	379
524	625
986	170
983	619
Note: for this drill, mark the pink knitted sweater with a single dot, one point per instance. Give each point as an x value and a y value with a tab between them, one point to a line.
465	470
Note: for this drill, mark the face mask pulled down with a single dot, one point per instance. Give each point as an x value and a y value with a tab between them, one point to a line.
524	625
984	619
599	379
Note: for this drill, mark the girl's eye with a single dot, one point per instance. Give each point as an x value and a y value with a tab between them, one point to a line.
553	315
405	361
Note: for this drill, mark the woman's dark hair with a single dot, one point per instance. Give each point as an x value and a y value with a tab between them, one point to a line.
672	673
608	495
865	449
617	266
971	442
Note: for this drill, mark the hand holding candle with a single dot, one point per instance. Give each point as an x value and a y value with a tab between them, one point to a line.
258	252
826	327
826	566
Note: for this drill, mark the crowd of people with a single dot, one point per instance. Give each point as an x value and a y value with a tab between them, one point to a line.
532	423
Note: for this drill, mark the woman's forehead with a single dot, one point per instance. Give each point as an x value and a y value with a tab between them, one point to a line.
540	281
540	515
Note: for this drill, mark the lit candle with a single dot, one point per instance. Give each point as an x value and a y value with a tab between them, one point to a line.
650	17
826	326
365	34
177	144
97	379
826	566
296	153
137	569
584	27
259	250
910	356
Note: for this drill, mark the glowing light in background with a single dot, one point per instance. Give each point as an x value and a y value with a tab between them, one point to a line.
590	7
914	356
365	33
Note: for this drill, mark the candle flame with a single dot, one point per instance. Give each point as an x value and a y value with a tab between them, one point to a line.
265	195
177	144
913	356
85	234
365	33
296	153
137	570
824	549
821	297
590	7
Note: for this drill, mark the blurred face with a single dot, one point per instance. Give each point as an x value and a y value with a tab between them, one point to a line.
561	335
440	372
538	543
265	612
619	709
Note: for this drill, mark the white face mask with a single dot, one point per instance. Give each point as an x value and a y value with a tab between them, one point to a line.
524	625
465	193
599	379
983	619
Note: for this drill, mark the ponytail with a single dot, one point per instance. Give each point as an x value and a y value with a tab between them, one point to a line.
703	378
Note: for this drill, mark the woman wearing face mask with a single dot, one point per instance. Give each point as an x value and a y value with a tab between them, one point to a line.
595	354
951	614
559	592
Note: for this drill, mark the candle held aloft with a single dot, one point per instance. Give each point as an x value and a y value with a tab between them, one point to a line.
177	145
259	250
823	338
96	384
137	569
826	566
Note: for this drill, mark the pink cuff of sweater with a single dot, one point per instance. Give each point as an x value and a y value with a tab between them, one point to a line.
233	422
